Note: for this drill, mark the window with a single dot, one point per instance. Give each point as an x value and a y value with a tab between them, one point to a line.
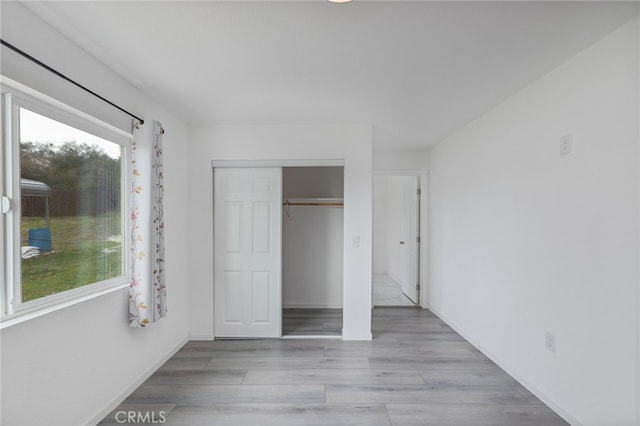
65	228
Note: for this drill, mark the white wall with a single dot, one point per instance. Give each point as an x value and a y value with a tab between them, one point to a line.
525	241
312	239
312	252
313	182
238	142
395	159
72	366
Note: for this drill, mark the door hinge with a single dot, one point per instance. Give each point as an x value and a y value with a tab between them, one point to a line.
419	191
417	239
417	286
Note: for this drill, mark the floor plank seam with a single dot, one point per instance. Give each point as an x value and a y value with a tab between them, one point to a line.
416	371
388	415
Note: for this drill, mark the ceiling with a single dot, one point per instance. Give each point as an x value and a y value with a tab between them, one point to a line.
416	71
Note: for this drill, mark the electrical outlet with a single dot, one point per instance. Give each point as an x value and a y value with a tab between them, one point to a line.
566	144
550	341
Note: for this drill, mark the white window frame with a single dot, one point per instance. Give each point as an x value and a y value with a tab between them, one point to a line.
14	97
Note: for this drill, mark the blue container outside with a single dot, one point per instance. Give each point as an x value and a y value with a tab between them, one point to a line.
41	238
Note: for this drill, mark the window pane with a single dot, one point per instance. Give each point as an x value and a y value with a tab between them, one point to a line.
71	224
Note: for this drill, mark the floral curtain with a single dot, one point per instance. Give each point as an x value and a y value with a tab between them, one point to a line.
147	290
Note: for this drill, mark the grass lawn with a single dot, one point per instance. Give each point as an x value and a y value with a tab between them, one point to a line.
77	258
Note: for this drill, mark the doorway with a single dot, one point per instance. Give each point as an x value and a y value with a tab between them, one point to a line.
278	251
396	241
312	251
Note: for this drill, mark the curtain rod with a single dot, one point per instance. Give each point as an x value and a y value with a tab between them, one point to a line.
64	77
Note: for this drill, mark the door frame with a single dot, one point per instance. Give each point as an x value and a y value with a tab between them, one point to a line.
423	274
267	164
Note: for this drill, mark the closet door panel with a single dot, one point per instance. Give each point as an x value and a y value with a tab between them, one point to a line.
247	252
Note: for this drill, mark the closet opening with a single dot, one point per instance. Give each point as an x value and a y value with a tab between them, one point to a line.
312	251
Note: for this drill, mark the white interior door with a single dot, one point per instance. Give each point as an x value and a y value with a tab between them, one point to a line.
411	242
247	252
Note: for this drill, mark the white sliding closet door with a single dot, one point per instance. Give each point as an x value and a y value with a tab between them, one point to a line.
247	252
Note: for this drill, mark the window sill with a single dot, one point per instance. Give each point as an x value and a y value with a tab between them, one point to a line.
20	317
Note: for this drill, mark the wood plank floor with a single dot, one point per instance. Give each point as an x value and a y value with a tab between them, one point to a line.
387	292
312	322
416	371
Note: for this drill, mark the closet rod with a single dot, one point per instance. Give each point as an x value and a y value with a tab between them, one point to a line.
64	77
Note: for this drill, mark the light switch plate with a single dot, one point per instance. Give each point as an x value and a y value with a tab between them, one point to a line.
566	144
550	341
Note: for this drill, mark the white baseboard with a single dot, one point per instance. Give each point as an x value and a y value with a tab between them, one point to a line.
201	337
395	278
455	327
109	407
347	335
570	418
